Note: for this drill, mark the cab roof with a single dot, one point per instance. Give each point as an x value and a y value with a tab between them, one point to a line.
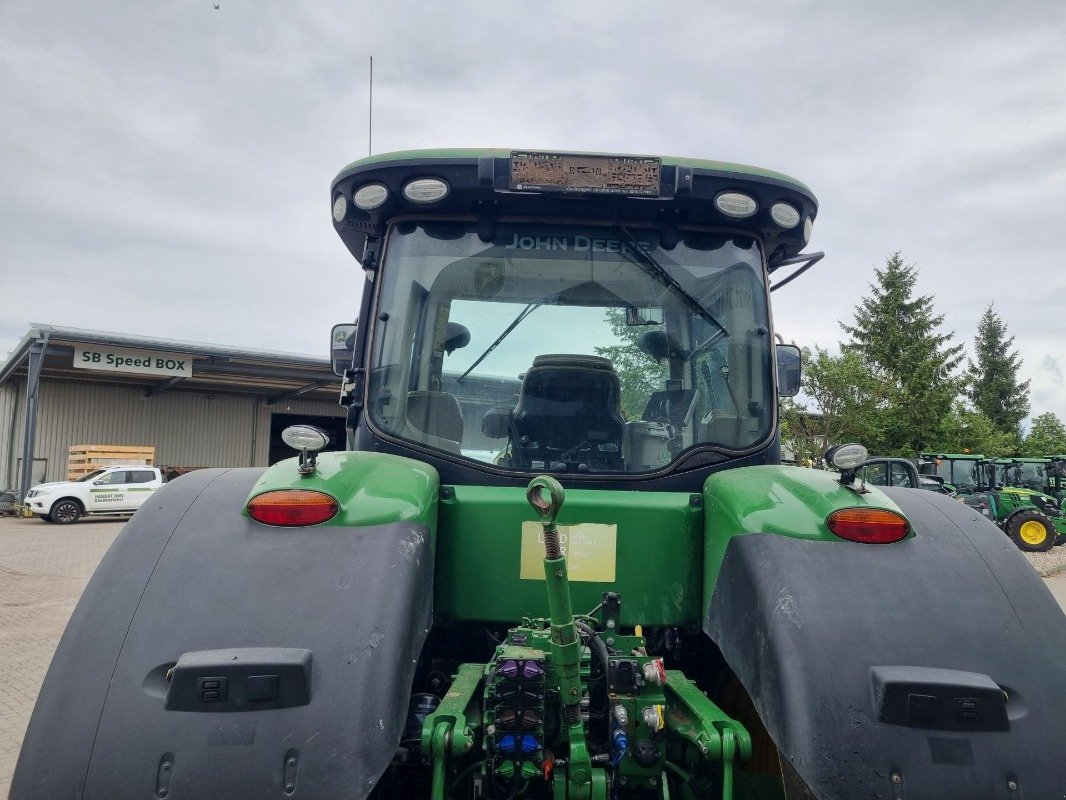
480	185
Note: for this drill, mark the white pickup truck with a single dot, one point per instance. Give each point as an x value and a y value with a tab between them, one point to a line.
112	490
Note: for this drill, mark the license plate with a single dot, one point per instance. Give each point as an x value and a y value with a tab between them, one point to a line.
556	172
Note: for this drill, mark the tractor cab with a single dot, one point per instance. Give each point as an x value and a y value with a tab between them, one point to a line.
1034	474
959	471
600	317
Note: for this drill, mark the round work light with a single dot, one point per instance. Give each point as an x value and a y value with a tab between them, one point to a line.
304	437
340	208
736	204
371	196
425	190
785	215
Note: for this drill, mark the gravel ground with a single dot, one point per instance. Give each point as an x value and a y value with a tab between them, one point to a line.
1053	562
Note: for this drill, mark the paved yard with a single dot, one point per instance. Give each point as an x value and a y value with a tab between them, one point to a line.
43	570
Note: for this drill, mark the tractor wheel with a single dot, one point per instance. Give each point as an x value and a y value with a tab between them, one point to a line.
65	512
1032	531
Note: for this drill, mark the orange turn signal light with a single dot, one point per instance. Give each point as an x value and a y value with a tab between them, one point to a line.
291	508
868	525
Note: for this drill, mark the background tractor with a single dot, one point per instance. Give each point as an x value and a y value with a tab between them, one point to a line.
1033	520
957	470
590	578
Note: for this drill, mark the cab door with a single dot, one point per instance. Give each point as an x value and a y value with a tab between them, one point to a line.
109	492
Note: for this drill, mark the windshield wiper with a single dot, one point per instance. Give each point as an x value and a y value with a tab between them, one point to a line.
525	313
652	266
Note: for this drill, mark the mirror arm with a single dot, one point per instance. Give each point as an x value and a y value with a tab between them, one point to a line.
807	260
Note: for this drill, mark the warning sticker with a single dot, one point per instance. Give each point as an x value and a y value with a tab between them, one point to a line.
589	549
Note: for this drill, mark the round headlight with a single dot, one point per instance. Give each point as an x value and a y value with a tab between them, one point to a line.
425	190
340	208
785	215
736	205
304	437
371	196
808	228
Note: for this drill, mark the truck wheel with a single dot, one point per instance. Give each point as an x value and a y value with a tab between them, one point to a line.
65	512
1032	531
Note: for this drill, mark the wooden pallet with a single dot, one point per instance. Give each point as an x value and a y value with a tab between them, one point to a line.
85	458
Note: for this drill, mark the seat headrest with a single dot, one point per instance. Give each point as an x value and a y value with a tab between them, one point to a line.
572	361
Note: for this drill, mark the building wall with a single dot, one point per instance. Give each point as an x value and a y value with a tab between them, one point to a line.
10	432
187	429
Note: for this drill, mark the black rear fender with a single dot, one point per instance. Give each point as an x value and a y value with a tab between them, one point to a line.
880	670
314	632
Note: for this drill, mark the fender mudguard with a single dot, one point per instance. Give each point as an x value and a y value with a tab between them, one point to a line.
211	656
929	669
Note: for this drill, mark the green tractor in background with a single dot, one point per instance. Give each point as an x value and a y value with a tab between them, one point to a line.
595	581
1033	520
958	471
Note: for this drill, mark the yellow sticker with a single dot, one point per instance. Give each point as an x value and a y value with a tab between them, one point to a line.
589	549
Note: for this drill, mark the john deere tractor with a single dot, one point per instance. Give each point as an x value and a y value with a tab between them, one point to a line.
1033	520
559	558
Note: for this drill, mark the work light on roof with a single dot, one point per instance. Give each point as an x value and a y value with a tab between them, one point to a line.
340	208
785	215
371	196
425	190
736	204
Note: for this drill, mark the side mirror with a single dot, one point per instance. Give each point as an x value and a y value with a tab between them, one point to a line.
342	347
789	368
458	337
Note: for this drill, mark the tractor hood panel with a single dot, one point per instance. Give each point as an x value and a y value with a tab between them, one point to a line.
927	668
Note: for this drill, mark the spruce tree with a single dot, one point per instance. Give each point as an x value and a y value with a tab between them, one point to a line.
898	337
992	383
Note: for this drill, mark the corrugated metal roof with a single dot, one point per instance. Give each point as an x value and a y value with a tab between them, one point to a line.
216	367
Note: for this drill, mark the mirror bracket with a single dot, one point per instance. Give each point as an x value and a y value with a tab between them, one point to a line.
352	387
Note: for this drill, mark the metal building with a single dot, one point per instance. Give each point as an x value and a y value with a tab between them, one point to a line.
199	405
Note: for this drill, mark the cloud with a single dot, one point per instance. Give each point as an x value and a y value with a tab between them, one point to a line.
166	166
1050	366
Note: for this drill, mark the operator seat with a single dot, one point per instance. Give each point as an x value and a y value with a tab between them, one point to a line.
569	410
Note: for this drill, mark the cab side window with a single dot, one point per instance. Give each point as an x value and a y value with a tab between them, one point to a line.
114	478
141	476
876	474
901	476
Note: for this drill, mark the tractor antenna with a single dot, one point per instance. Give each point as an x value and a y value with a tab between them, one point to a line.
370	132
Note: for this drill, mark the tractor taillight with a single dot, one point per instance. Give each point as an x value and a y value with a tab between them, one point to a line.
292	508
868	525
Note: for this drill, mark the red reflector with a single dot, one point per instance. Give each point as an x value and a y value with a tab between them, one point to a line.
292	508
868	525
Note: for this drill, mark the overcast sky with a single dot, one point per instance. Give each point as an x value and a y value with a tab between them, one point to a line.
165	166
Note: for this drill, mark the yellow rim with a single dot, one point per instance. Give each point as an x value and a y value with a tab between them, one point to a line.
1033	532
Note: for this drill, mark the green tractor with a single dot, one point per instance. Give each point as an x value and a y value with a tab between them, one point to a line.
957	471
1033	520
560	559
1034	474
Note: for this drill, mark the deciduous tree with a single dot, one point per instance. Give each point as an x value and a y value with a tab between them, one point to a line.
1047	436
